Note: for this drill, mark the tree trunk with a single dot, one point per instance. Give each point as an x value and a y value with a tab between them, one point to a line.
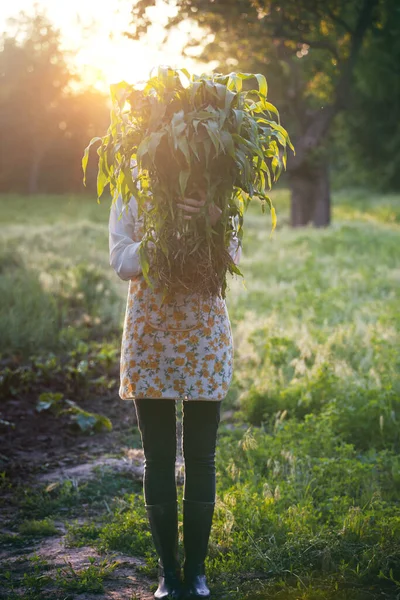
33	183
311	199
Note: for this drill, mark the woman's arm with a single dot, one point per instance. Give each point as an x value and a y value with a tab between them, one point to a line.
124	251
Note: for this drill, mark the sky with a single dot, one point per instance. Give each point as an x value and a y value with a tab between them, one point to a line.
94	29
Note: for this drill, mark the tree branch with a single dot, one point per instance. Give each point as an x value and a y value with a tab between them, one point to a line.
363	22
320	124
340	21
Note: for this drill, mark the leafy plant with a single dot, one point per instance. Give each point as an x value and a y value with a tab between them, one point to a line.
86	421
191	135
38	528
89	579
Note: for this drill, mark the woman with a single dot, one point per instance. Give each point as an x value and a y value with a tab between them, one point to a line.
181	349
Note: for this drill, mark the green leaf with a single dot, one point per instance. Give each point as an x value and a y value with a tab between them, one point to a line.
236	269
154	140
49	400
213	131
143	148
184	77
239	115
144	262
228	144
102	178
234	82
273	217
86	156
262	84
184	148
85	420
120	92
183	179
207	151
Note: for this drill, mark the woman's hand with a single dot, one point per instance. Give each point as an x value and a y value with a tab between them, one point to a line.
192	205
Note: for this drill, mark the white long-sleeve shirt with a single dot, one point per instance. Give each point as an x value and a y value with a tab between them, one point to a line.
124	250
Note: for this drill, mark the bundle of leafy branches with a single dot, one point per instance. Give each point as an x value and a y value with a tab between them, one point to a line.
190	136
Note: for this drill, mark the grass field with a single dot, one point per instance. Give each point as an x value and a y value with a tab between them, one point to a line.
308	457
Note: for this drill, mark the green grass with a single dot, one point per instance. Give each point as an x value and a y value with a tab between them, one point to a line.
38	528
308	479
55	280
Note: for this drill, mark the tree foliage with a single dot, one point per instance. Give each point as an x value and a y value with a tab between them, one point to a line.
308	50
367	141
42	120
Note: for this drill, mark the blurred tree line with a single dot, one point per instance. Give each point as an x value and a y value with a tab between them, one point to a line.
333	67
44	124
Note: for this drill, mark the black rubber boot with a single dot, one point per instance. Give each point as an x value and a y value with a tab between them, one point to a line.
197	520
163	519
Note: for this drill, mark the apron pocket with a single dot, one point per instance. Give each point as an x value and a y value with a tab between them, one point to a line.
181	313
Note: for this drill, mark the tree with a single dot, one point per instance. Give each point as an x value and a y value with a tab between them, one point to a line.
42	120
34	75
308	49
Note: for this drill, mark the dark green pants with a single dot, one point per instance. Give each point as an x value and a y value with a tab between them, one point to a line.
157	425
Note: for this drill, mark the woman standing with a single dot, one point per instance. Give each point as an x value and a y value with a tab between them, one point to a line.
182	349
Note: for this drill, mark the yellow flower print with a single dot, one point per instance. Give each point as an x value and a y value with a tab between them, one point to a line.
153	392
130	390
179	385
156	363
178	315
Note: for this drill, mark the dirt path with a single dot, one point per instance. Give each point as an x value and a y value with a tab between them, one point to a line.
42	452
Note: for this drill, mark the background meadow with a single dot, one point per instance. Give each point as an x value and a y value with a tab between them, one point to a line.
308	456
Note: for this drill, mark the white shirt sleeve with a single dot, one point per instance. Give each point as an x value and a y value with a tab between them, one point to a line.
124	251
234	248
